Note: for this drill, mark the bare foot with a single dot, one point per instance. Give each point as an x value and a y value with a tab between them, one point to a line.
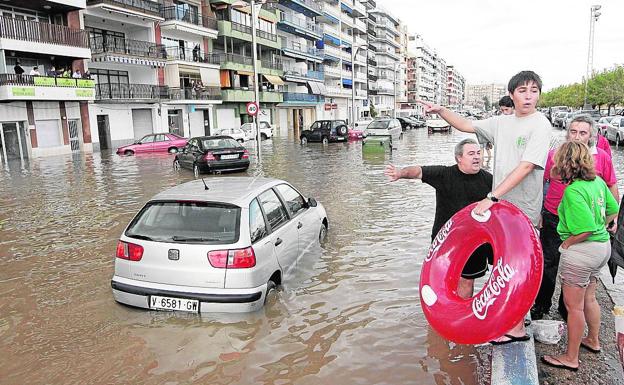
591	343
561	361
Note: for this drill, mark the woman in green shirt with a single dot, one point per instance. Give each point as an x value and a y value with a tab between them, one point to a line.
584	212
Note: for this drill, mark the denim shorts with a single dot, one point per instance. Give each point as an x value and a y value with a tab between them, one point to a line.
583	261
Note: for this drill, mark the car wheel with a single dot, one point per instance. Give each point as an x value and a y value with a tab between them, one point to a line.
176	165
128	152
342	130
304	140
322	234
271	292
263	137
173	150
325	140
196	170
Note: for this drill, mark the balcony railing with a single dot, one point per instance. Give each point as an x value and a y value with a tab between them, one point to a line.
294	71
274	63
118	45
44	81
145	6
192	55
114	91
188	93
233	57
247	29
189	16
41	32
301	97
311	4
298	47
302	23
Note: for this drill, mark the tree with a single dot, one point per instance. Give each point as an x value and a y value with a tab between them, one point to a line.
486	102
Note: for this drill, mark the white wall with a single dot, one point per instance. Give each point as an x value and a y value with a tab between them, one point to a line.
196	123
13	112
137	74
226	118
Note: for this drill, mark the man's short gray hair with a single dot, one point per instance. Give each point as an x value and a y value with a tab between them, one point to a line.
585	118
459	147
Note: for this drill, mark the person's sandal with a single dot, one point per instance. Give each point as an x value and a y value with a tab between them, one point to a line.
511	339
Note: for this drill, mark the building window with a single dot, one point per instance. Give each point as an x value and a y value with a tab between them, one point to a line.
110	76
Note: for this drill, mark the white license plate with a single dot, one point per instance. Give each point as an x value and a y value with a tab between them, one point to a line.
341	138
168	303
232	156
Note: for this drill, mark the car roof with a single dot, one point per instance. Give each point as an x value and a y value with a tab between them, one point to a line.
212	137
234	190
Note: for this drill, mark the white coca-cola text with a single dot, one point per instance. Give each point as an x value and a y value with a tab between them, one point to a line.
439	239
501	275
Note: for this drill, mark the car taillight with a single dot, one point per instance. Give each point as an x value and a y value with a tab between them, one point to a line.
245	154
129	251
232	259
209	156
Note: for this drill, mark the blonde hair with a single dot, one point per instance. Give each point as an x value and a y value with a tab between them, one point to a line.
573	161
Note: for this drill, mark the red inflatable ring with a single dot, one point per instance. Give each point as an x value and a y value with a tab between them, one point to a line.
511	288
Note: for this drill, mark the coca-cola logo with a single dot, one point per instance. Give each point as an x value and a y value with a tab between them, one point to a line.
501	275
439	239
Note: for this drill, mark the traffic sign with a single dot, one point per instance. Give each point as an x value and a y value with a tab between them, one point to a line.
252	109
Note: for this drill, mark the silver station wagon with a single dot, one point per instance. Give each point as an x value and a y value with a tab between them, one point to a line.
215	245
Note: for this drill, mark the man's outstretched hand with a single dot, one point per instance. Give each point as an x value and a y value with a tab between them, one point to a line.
392	173
430	107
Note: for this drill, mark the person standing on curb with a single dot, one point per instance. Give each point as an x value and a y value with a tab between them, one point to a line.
521	143
456	187
581	129
584	212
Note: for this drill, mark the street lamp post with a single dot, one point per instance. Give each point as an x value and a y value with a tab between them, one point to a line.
396	68
593	17
354	49
254	48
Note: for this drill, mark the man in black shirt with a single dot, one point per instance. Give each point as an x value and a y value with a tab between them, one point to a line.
456	187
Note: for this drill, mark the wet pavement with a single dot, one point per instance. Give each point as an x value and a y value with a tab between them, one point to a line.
351	315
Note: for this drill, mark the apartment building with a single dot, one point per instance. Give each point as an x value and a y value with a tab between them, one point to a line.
455	88
422	70
233	50
344	52
439	79
476	94
385	42
304	79
41	114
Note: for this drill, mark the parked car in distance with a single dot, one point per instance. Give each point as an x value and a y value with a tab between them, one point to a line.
164	142
355	134
420	121
436	123
206	154
362	124
325	131
406	124
236	133
266	130
603	123
216	245
385	127
615	130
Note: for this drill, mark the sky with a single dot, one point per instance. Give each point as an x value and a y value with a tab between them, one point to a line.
489	41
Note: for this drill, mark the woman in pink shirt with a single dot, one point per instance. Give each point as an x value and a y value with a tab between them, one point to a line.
581	129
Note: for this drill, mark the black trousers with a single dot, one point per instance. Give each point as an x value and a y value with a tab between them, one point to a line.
550	246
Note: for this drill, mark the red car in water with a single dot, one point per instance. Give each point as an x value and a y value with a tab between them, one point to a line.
164	142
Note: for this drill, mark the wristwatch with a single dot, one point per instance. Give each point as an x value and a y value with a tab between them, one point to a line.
491	197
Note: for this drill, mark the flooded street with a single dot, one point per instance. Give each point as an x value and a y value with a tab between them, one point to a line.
351	316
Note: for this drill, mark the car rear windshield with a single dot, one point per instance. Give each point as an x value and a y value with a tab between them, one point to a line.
210	144
186	222
379	124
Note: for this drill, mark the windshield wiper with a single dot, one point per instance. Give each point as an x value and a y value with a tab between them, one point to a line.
139	236
180	238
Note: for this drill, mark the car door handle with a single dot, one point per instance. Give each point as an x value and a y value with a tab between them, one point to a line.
278	241
299	225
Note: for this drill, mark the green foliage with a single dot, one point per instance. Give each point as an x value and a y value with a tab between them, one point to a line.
373	111
603	89
486	101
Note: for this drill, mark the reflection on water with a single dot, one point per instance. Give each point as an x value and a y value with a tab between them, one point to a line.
351	316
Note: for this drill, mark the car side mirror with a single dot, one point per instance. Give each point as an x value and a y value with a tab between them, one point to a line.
312	202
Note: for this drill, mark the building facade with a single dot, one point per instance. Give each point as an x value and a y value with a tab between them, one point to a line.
44	109
455	88
476	94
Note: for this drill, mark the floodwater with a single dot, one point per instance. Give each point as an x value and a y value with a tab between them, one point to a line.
351	316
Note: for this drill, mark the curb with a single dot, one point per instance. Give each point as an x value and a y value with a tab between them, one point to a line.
515	364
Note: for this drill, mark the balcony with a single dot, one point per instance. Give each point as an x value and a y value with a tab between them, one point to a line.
300	27
130	92
195	95
332	53
243	32
306	7
301	97
139	8
107	49
372	62
302	75
331	71
52	39
191	55
360	93
188	21
331	13
360	24
300	51
26	87
242	95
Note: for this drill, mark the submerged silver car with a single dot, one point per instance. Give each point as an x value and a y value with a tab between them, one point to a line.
218	245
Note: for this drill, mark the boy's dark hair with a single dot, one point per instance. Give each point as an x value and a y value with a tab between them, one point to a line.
506	101
522	78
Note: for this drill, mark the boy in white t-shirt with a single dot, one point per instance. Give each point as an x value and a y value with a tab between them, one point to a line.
521	142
